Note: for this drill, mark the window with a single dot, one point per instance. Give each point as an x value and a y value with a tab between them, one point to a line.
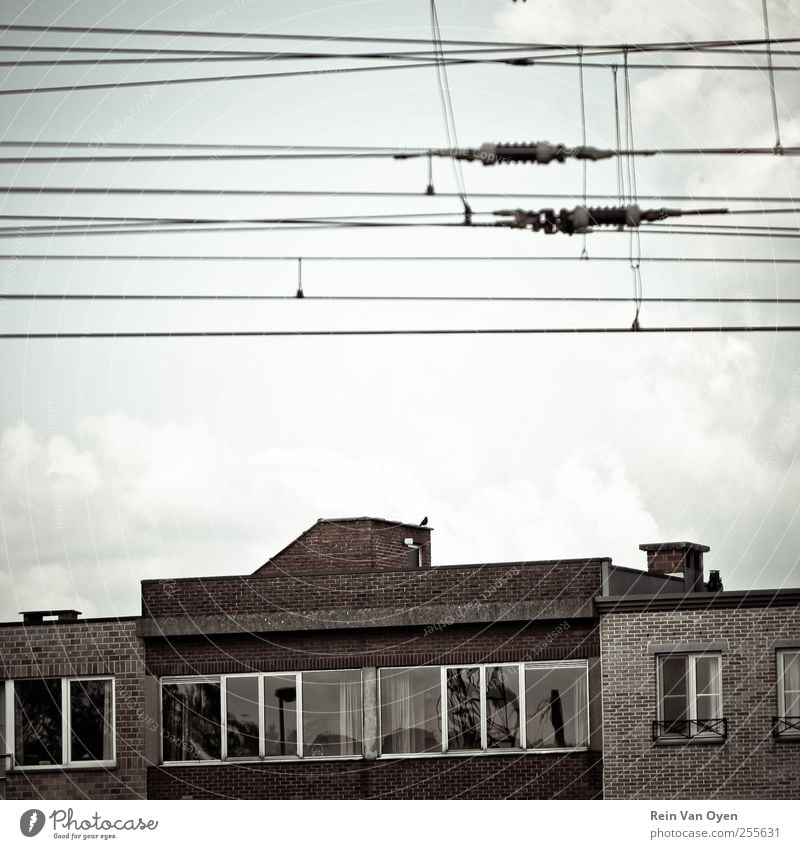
556	699
261	716
332	713
509	706
411	710
191	716
689	697
787	723
61	721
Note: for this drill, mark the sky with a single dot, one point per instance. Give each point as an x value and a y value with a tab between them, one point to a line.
122	460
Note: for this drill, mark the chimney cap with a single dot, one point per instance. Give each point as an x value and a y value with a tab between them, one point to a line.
674	546
63	615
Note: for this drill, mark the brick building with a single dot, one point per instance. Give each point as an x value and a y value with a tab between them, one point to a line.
701	690
348	666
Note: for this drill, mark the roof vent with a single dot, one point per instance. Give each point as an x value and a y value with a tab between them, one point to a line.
32	617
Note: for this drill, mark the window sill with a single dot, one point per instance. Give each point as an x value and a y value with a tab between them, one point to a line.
483	753
257	761
104	765
714	739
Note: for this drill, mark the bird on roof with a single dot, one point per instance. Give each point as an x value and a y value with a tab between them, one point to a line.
423	522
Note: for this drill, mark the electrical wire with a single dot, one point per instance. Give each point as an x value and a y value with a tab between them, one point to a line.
736	260
367	154
693	45
335	193
481	331
23	296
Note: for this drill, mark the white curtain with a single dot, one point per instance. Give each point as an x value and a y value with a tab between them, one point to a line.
579	703
350	716
402	719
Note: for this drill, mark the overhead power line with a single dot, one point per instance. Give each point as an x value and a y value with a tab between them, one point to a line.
470	154
483	331
240	258
336	193
89	296
369	39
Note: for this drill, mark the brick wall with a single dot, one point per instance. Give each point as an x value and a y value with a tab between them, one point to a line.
751	764
106	647
356	590
342	545
556	776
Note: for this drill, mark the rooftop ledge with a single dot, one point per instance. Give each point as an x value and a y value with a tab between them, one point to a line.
436	616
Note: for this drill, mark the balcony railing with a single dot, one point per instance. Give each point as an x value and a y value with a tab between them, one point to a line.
688	729
786	726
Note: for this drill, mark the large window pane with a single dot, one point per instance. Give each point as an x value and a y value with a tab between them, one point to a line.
280	714
91	720
411	704
241	696
191	721
463	708
707	687
502	707
555	698
332	713
674	694
37	722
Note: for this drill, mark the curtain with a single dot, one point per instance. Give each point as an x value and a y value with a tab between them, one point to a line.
581	724
350	716
401	713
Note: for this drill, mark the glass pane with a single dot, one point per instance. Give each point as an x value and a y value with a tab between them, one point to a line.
502	707
91	720
411	703
556	707
191	721
463	708
280	715
707	686
674	691
332	713
242	714
37	722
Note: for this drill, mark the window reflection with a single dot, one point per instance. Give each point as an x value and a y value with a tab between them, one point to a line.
502	707
191	711
556	707
91	721
463	708
242	715
280	715
37	722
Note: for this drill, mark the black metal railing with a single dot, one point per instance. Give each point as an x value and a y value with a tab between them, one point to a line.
786	726
688	729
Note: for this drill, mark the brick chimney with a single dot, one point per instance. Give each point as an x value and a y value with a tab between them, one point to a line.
346	545
677	558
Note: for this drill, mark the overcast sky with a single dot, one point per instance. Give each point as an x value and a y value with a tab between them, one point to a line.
124	460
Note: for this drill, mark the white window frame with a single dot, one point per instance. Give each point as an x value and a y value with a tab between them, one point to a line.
521	666
781	654
66	725
222	681
691	694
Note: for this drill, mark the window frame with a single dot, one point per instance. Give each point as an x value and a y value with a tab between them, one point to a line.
66	725
691	698
784	733
222	680
485	751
